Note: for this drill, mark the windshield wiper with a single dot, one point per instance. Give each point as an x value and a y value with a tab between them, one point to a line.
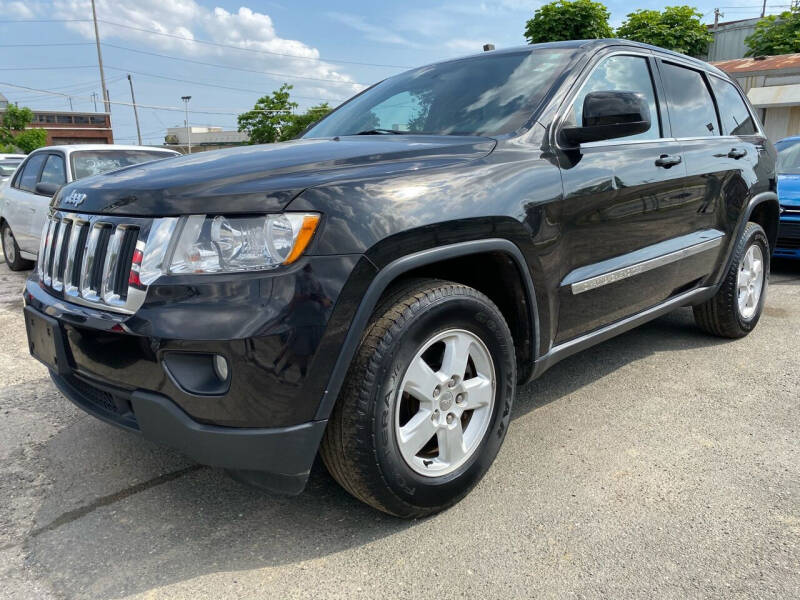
381	132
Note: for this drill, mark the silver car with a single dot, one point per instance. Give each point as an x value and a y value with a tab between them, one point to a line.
25	199
9	164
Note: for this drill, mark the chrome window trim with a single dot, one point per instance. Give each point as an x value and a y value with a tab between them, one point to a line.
597	281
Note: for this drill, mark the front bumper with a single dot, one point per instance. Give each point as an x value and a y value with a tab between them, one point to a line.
285	454
279	340
788	243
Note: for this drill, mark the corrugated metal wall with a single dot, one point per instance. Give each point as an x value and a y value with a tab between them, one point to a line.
729	40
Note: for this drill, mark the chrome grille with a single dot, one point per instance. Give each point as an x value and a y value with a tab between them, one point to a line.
87	259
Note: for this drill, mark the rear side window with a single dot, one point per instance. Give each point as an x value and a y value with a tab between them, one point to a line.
736	119
620	74
691	109
30	173
54	171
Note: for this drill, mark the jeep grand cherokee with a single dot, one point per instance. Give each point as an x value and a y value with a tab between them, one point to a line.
375	290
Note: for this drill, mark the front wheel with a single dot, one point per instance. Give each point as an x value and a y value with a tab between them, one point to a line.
11	251
735	309
426	403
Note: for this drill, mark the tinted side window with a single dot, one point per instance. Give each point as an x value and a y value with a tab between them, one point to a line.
736	119
620	74
691	108
30	173
54	171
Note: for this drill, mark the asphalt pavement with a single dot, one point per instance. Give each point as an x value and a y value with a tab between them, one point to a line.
661	464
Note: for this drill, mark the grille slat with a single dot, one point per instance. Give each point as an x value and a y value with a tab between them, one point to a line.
87	259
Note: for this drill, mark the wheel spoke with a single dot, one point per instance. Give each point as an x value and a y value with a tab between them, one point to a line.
421	380
417	432
456	354
451	443
479	392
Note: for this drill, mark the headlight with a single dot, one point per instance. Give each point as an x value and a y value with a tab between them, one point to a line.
230	244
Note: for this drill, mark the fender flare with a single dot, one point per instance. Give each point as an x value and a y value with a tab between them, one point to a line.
755	201
402	265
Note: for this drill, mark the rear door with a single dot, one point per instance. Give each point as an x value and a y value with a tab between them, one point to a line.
624	206
20	201
55	172
720	163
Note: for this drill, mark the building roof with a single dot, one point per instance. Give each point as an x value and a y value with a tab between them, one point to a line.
761	63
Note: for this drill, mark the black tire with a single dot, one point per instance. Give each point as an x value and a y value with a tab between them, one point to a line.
721	315
16	262
360	447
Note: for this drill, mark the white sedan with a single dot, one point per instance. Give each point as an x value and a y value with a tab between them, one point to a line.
25	199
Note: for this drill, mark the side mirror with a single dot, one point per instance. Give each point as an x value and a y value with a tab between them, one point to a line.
46	189
609	115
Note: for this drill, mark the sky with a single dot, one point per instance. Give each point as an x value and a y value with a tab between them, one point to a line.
225	55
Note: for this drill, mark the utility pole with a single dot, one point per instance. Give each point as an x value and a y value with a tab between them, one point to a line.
763	8
94	99
188	130
100	60
70	103
135	112
717	15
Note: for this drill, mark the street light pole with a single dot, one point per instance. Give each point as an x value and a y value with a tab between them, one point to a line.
135	112
188	130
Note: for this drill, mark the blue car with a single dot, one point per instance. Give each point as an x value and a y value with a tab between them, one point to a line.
788	168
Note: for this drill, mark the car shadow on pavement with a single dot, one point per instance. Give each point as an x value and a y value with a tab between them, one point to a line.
123	516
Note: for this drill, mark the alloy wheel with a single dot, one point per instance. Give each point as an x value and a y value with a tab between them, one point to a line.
446	402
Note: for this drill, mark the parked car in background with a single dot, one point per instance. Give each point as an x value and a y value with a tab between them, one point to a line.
788	168
376	290
9	164
25	200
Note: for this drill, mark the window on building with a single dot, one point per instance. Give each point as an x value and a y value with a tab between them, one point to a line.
63	119
691	109
736	119
81	120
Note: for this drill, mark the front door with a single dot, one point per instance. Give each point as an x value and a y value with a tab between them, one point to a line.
625	208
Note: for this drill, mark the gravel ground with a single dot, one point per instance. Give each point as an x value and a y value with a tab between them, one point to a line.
661	464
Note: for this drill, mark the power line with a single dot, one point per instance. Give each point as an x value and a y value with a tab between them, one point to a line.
219	66
170	108
207	42
202	83
47	45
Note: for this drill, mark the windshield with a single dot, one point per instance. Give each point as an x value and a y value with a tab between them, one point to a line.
483	95
788	157
93	162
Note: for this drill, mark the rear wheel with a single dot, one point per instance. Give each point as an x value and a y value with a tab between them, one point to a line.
11	251
425	406
735	309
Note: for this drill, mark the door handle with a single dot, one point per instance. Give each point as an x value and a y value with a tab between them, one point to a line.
737	153
667	161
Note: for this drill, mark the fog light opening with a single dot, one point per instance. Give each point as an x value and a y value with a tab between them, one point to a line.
221	367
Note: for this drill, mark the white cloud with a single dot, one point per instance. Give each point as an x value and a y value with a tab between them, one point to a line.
375	33
245	28
20	10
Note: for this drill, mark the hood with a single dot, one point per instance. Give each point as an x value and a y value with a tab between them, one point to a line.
262	178
789	190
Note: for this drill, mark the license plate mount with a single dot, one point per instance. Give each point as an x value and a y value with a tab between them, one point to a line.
46	341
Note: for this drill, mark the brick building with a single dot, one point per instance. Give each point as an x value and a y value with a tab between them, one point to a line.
74	127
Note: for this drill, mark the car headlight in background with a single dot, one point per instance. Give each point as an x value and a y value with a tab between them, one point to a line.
231	244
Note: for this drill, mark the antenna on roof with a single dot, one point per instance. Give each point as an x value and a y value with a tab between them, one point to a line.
488	47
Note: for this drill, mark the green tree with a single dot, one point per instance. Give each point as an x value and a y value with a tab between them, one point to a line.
13	132
270	116
299	122
569	20
676	28
776	34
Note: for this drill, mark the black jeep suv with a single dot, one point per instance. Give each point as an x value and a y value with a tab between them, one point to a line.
375	290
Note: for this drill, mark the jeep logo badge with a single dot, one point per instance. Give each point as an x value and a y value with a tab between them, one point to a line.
76	198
